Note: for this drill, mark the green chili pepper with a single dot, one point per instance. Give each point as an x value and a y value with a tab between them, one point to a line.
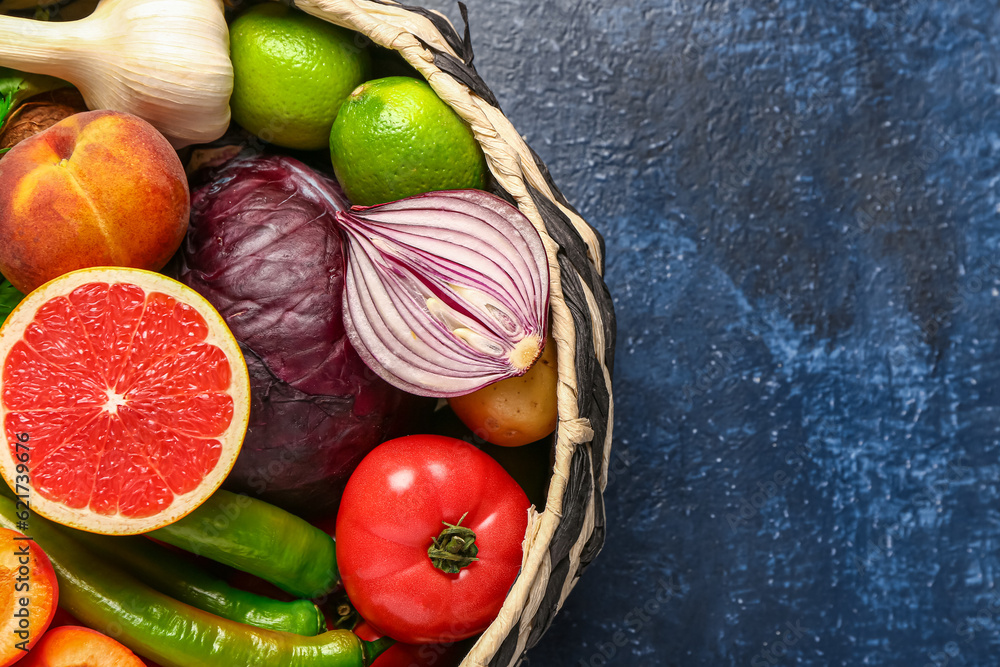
259	538
169	632
190	584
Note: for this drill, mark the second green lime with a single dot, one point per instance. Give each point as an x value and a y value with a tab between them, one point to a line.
395	138
292	73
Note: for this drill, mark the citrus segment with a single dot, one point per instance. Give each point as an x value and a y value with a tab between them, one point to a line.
132	395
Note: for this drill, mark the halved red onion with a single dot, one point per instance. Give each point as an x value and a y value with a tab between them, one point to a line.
445	292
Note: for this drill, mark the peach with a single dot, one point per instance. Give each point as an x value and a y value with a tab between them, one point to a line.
100	188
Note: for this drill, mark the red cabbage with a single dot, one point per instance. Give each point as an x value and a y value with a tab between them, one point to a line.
263	248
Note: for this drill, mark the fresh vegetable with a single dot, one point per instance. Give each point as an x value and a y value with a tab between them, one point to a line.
395	138
73	646
166	61
124	400
263	248
100	188
445	292
429	538
174	634
190	584
29	592
515	411
9	298
259	538
292	73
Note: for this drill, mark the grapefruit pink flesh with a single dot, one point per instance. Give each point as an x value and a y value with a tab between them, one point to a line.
127	400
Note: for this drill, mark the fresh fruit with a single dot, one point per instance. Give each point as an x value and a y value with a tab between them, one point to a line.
429	538
123	397
73	646
29	592
264	250
172	633
259	538
97	189
293	71
515	411
395	138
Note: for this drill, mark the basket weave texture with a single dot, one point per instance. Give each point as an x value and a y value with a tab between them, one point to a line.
563	539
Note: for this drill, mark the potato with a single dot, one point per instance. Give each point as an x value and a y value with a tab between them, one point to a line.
515	411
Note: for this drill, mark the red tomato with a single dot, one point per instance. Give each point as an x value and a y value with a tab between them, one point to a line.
396	504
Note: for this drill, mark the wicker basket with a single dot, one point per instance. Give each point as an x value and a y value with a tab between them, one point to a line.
568	534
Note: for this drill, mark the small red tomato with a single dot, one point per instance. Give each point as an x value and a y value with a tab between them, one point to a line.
427	496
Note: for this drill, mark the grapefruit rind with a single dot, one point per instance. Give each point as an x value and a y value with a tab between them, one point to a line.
219	335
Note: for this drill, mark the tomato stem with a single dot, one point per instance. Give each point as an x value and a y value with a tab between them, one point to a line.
454	548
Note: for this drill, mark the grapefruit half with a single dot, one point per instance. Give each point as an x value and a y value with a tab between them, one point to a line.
124	399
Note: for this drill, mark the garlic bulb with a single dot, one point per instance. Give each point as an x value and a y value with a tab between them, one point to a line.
166	61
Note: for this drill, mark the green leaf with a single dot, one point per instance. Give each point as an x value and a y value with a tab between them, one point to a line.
10	83
9	298
6	103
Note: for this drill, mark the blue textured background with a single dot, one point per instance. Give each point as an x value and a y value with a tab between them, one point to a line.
802	218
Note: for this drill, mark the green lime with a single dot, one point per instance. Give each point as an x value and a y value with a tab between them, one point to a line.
292	73
395	138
